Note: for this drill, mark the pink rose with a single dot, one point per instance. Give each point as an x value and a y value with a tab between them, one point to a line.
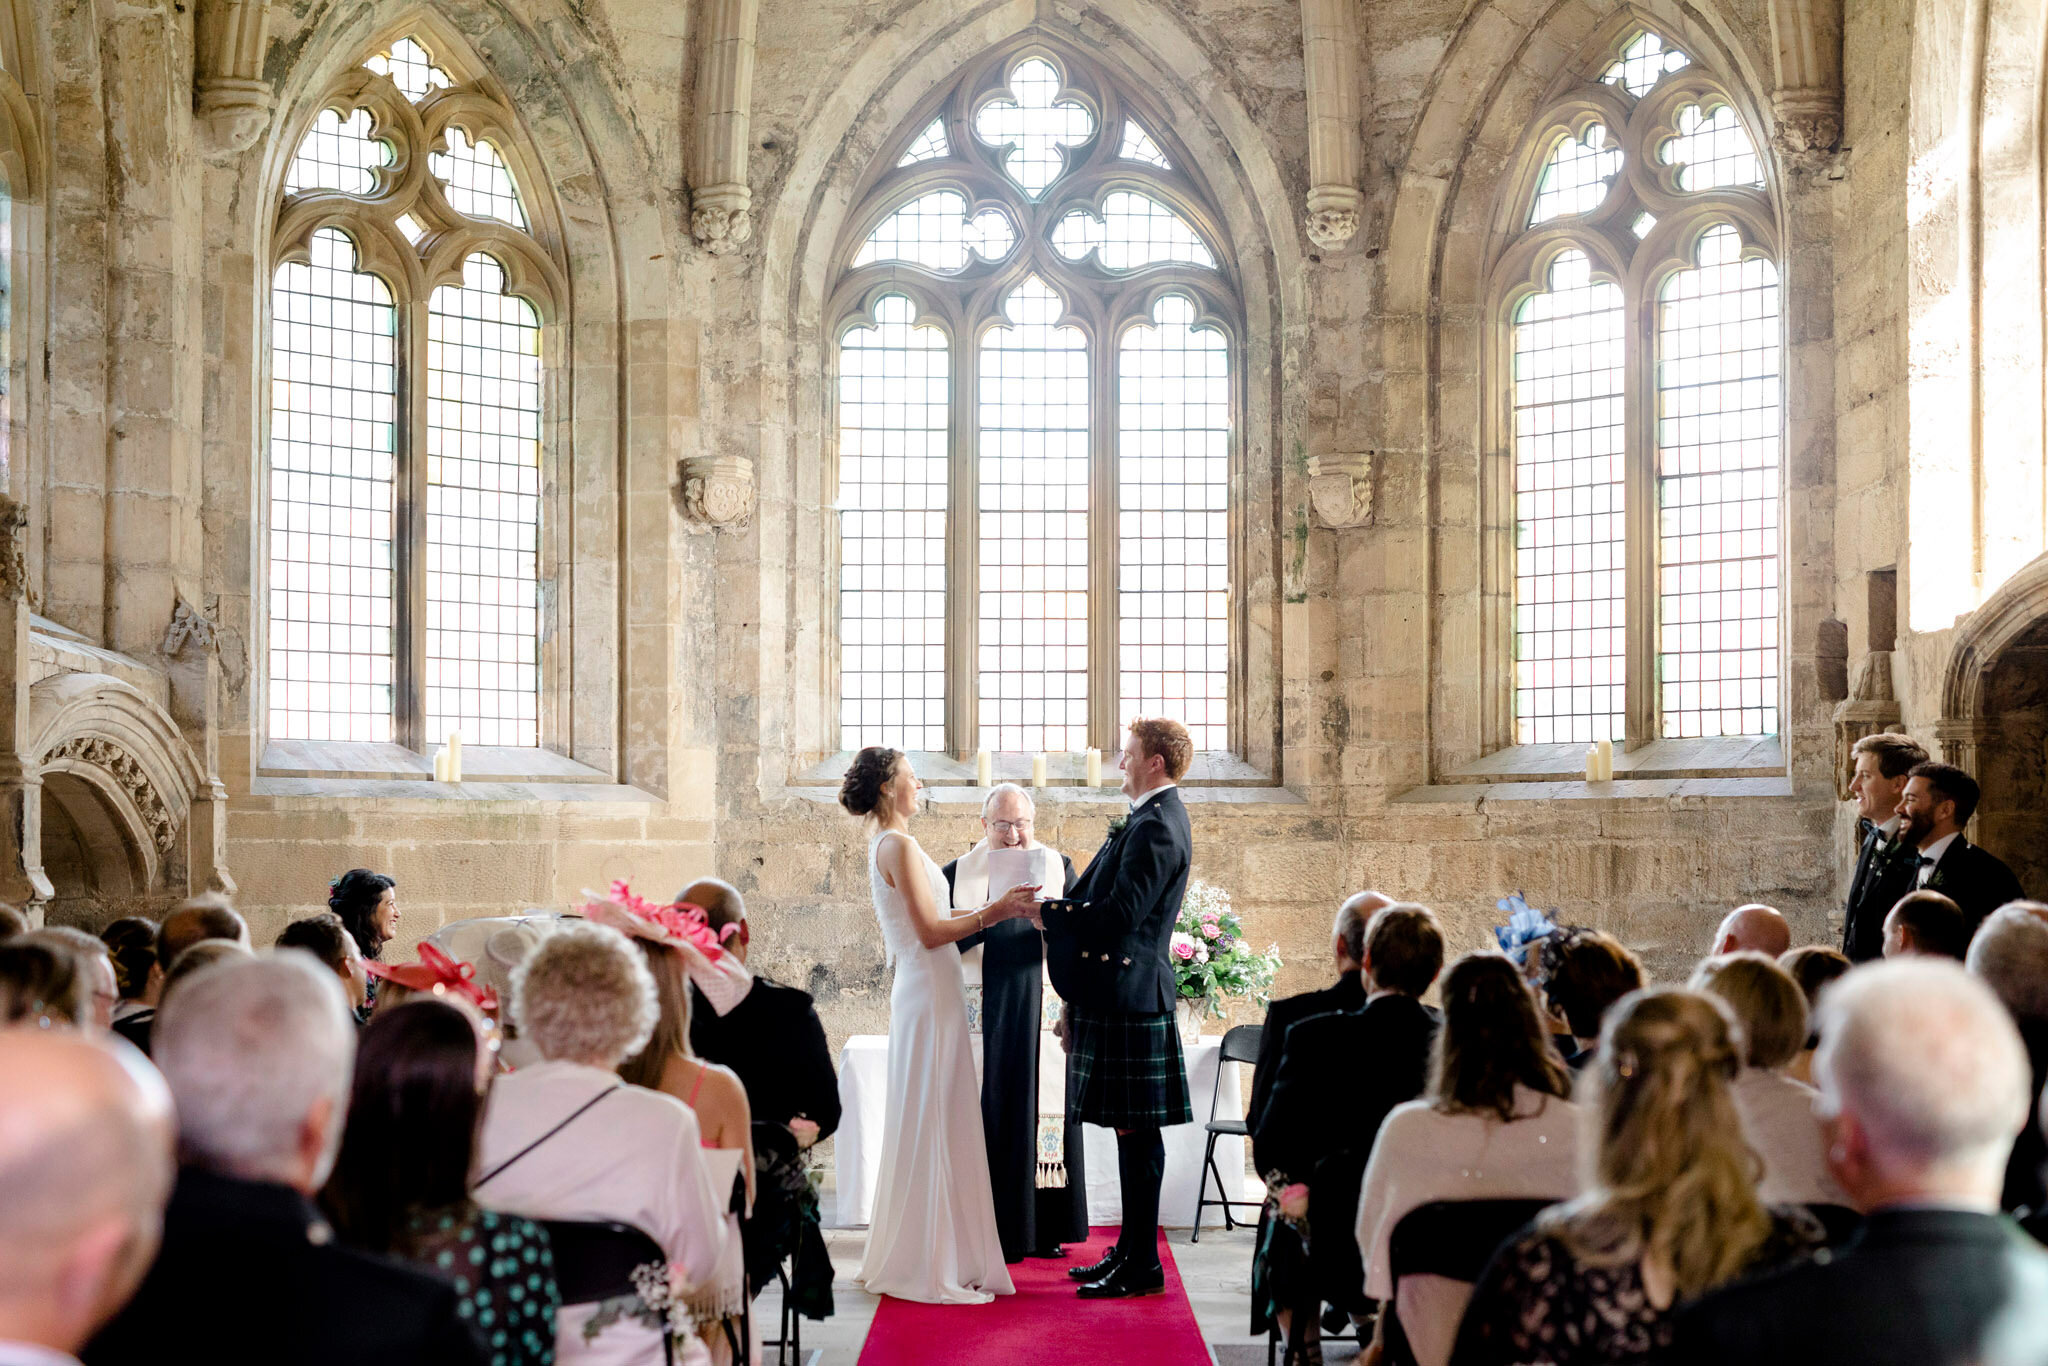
806	1131
1294	1201
1209	930
1184	951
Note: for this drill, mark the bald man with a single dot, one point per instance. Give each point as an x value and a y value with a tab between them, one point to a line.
1755	928
85	1167
1347	955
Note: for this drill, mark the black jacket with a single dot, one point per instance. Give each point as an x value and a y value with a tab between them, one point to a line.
1884	873
774	1040
1339	1075
1283	1014
249	1273
1974	878
1924	1287
1111	956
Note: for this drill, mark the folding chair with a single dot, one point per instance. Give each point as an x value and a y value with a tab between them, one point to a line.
1240	1044
595	1261
1454	1239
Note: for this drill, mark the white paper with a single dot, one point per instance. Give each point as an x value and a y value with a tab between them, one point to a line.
1008	868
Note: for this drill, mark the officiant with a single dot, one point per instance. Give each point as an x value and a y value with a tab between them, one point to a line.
1034	1153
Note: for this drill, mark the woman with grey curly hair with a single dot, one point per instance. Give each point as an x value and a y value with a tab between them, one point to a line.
566	1139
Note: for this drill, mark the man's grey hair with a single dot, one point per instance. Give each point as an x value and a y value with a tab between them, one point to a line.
1927	1060
585	995
988	803
2010	953
249	1046
1353	918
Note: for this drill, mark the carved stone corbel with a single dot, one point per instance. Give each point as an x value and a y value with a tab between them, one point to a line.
232	99
1870	709
1340	489
721	216
1806	98
191	650
22	879
1329	49
718	491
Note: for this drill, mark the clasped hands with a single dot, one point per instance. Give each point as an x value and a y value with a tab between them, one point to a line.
1019	903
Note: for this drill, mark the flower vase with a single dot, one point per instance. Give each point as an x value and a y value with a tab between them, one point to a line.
1188	1014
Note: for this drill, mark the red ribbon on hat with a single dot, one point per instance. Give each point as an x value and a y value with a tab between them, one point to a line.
439	973
678	923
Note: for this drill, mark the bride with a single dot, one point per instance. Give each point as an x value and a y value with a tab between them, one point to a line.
933	1238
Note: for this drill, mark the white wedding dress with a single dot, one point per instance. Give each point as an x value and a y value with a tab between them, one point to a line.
933	1238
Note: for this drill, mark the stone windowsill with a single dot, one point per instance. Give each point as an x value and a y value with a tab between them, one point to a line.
1216	777
386	772
1723	757
1472	794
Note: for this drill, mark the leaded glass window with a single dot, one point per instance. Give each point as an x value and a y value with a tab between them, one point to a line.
1036	372
404	483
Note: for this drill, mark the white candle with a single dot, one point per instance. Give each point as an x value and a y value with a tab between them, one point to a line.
441	766
1607	761
984	769
454	756
1592	763
1095	768
1038	770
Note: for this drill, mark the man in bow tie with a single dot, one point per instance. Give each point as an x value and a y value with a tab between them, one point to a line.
1106	949
1938	802
1884	864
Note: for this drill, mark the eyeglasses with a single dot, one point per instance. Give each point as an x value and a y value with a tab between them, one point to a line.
1008	827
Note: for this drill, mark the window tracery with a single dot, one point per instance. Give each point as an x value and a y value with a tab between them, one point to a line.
1639	294
1036	395
412	279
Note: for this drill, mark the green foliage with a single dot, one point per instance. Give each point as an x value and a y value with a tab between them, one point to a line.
1211	959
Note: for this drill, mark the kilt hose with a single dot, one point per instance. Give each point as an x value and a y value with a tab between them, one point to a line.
1126	1071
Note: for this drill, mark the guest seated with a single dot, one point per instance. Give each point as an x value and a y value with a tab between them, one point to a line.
196	959
258	1053
327	939
85	1164
1668	1212
131	944
421	1075
1347	948
1756	928
565	1138
201	919
41	986
1497	1122
102	989
1339	1075
1777	1112
367	903
1813	968
1923	1083
1926	924
2010	955
1584	972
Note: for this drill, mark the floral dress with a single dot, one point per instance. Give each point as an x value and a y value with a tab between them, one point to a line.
503	1273
1536	1305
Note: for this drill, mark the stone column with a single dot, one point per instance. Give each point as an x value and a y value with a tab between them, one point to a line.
22	879
720	217
1329	49
192	663
229	94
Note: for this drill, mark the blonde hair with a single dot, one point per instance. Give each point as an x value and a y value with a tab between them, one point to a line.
1767	1003
671	1036
1669	1176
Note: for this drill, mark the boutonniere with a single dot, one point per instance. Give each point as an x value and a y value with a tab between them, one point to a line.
1116	826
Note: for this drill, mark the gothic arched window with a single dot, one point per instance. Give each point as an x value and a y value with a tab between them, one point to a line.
1037	370
403	501
1640	389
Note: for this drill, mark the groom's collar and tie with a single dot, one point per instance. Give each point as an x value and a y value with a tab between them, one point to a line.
1138	802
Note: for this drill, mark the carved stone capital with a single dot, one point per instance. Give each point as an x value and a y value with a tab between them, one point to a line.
1809	125
232	114
1340	489
1333	214
188	629
720	218
229	93
718	491
110	758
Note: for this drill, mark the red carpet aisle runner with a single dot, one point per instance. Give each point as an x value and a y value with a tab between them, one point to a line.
1043	1324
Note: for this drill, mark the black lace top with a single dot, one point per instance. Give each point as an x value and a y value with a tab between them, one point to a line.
1536	1305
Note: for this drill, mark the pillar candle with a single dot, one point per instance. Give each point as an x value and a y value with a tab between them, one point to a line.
1038	771
454	756
1607	761
1592	763
441	766
1095	768
984	769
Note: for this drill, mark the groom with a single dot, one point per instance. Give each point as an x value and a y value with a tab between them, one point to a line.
1106	949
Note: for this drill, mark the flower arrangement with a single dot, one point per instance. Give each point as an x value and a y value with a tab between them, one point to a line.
1210	956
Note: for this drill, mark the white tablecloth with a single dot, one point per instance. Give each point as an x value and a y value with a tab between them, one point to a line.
857	1146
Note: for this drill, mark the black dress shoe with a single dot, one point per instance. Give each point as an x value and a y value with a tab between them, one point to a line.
1098	1270
1126	1282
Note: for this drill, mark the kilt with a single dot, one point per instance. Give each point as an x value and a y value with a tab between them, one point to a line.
1126	1071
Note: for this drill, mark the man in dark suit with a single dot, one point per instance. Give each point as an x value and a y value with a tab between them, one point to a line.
1884	864
259	1053
1929	924
1347	946
1938	802
1106	948
1923	1083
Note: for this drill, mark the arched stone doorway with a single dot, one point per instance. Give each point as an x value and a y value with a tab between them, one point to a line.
1995	720
96	871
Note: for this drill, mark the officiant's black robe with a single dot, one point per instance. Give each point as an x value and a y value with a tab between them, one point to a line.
1028	1220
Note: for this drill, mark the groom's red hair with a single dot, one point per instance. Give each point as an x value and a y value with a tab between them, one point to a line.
1167	739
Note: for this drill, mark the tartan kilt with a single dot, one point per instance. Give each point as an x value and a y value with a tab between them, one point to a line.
1126	1071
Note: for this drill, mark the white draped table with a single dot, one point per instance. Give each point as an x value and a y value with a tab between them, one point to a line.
864	1088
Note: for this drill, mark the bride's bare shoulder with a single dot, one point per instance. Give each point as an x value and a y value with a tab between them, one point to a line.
893	850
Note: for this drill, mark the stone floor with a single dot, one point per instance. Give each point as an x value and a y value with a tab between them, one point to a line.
1216	1271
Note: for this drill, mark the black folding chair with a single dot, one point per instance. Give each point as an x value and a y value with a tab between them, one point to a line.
791	1339
595	1261
1454	1239
1240	1044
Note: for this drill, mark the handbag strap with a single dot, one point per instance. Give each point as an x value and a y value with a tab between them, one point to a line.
573	1116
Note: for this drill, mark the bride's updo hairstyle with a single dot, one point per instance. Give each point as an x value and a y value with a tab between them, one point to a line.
861	791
